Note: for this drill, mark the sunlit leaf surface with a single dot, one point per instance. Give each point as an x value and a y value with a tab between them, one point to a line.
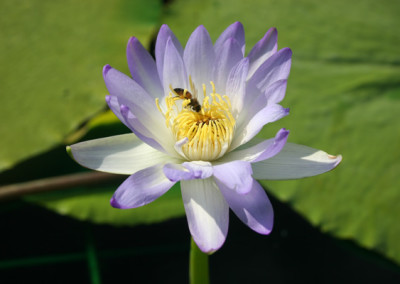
52	54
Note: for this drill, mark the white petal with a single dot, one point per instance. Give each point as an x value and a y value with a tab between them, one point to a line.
207	213
122	154
134	124
261	151
141	105
174	73
236	85
137	127
228	56
199	58
276	91
127	90
295	161
275	68
164	34
248	129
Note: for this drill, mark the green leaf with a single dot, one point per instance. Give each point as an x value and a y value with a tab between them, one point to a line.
344	96
52	54
93	204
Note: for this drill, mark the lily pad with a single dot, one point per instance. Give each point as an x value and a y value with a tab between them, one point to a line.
52	54
344	96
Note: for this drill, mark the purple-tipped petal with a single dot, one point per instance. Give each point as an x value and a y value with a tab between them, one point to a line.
261	151
127	90
276	67
207	213
276	91
234	175
188	171
121	154
174	73
131	121
256	100
248	129
272	149
236	85
254	208
115	107
178	147
229	55
235	31
143	68
295	161
199	58
147	119
263	50
164	34
141	188
139	129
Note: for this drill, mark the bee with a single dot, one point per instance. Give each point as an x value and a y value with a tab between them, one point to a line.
186	95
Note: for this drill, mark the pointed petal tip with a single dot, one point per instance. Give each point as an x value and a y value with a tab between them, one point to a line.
287	51
201	27
114	203
69	152
237	25
272	30
200	30
208	250
106	68
283	132
124	110
338	159
262	230
132	41
164	27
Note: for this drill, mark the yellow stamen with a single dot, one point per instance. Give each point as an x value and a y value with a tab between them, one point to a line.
209	131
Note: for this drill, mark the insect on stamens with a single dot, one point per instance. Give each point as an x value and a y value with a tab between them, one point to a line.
184	94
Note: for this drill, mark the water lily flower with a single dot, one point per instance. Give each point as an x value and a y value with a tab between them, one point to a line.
194	113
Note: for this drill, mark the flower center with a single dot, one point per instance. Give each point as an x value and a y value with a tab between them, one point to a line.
208	126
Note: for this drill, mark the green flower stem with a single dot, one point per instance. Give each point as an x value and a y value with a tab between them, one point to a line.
92	257
198	267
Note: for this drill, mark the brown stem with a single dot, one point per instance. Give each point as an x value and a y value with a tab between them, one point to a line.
55	183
